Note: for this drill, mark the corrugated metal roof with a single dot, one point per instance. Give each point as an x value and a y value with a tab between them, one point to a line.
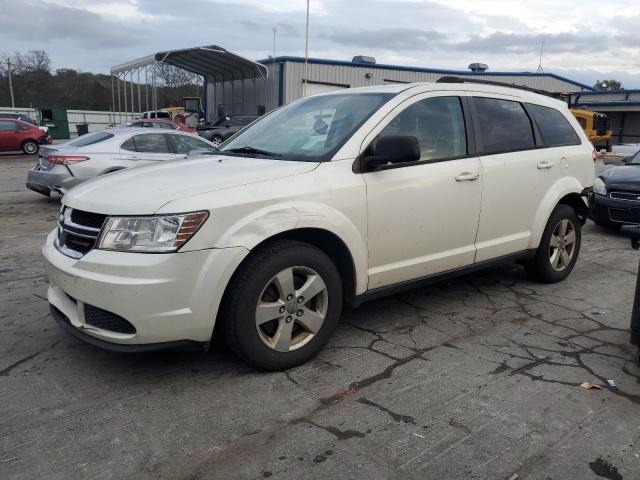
543	78
210	61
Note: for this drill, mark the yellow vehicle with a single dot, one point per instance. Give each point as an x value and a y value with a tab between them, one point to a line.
595	125
173	110
189	104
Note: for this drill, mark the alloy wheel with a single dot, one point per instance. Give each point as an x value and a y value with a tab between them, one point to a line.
30	148
291	309
562	244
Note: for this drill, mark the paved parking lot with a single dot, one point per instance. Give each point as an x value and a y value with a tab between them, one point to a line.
473	378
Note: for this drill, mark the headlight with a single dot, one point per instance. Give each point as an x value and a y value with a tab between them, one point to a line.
163	233
599	187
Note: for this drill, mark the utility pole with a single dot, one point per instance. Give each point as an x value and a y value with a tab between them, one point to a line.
540	69
13	103
306	55
275	30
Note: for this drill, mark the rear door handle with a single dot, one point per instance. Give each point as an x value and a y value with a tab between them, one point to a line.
467	177
544	165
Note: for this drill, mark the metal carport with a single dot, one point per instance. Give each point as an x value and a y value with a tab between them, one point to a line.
215	64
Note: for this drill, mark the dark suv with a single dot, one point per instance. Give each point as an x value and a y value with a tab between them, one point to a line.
218	131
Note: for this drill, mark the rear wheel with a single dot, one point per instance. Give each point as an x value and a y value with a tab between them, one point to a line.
559	247
30	147
282	306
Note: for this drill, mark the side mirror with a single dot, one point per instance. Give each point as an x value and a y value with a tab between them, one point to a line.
393	149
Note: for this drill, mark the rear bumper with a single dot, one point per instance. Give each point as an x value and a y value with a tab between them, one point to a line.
55	180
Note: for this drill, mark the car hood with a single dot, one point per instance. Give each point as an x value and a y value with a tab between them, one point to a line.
622	178
144	190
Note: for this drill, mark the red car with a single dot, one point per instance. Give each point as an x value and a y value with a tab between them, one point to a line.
160	123
18	135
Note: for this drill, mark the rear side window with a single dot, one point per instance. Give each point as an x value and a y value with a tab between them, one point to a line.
555	129
90	139
147	143
504	125
8	126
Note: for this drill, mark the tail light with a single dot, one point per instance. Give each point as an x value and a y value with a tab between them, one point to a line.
65	159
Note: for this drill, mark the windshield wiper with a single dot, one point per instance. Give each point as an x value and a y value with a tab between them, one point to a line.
247	149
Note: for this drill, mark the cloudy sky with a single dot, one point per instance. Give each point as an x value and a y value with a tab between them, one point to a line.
585	40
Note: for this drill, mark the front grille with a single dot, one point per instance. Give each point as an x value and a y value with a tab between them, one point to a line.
78	231
105	320
624	215
87	219
631	196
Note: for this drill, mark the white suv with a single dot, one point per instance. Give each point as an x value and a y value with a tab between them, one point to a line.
327	202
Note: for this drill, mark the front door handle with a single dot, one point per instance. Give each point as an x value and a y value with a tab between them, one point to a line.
467	177
544	165
133	157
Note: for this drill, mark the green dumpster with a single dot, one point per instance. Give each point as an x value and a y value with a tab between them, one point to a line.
57	121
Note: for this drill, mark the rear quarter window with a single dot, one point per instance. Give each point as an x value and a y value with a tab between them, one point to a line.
555	129
504	125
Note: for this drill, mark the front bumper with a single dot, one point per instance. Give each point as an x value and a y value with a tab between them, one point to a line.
604	209
58	179
171	297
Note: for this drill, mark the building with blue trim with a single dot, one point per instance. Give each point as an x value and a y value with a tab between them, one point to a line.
286	74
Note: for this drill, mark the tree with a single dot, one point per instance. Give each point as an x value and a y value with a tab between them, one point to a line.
607	85
175	77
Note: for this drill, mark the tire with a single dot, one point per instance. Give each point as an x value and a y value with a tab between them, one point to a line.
259	289
554	263
30	147
217	140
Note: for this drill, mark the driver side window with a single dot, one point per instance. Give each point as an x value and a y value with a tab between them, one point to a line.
437	123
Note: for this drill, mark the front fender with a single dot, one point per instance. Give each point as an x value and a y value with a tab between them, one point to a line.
564	186
274	220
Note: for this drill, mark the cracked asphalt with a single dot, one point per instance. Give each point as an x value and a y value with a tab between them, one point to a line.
476	378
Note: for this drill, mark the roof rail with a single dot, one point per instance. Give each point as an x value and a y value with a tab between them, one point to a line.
453	79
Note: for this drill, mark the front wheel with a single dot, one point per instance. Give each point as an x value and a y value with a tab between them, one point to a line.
30	147
559	247
282	305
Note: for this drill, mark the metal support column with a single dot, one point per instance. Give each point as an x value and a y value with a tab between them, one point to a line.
146	86
133	107
113	102
155	88
124	91
119	107
139	100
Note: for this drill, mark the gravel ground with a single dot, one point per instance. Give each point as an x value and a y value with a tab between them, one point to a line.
472	378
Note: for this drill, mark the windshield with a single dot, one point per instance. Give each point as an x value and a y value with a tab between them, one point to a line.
311	129
634	160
